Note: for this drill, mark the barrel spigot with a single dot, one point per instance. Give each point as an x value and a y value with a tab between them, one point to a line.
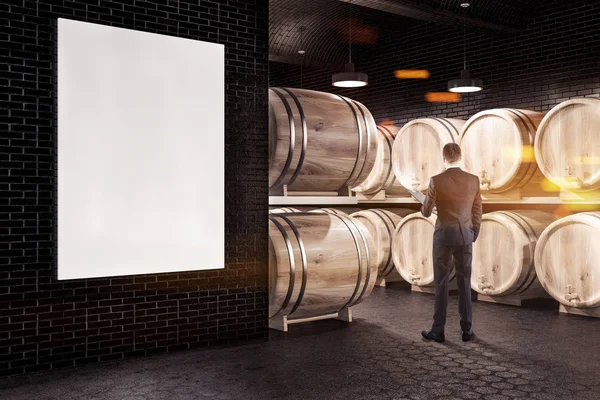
484	181
485	285
414	183
414	276
570	295
572	180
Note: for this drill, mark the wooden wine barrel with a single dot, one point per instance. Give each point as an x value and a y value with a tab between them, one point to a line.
318	265
567	144
412	248
382	177
497	146
318	141
567	260
417	151
380	225
503	255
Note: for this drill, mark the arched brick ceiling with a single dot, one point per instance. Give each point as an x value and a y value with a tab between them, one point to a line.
510	13
325	35
325	22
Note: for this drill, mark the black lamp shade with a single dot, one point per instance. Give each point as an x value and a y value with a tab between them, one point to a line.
349	78
465	84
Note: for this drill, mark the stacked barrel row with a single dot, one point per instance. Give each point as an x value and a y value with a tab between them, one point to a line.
324	260
507	148
321	142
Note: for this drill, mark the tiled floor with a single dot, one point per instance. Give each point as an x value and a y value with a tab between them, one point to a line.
520	353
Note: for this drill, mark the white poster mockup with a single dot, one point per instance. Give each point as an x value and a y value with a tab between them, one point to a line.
140	152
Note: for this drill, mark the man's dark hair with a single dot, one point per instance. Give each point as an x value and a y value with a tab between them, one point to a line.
451	153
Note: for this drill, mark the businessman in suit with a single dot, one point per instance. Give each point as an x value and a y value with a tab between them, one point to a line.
455	194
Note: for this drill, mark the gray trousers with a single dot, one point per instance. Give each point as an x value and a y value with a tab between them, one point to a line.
443	259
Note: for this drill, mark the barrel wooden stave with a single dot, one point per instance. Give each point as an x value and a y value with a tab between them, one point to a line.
567	260
567	145
382	176
417	150
380	225
336	272
332	138
497	146
503	255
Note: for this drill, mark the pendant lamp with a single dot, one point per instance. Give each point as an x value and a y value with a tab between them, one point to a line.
349	77
465	84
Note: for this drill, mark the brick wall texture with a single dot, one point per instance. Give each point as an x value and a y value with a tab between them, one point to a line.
554	58
46	323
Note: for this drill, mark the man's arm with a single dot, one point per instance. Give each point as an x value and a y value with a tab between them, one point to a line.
429	202
476	211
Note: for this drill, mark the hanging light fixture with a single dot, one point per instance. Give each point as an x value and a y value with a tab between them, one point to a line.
465	84
349	78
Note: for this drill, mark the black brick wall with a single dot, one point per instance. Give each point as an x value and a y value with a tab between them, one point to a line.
45	323
554	58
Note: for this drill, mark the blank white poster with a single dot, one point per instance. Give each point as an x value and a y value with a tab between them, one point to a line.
140	152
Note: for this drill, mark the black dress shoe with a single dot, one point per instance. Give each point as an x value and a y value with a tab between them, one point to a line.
468	335
431	335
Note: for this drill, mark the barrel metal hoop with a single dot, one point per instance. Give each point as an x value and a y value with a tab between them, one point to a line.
524	118
531	275
368	257
288	244
292	146
368	136
445	124
389	140
304	135
359	130
386	131
304	262
389	265
351	301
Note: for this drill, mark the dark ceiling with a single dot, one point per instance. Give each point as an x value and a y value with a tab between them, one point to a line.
509	13
321	26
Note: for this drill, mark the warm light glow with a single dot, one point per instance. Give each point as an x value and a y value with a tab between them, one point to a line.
465	89
548	186
567	209
361	34
387	122
526	153
568	182
349	84
586	160
442	97
412	74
